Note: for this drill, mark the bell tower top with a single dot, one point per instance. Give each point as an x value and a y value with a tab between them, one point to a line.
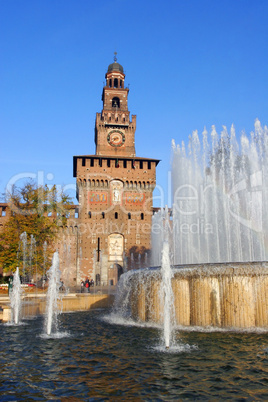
115	66
114	131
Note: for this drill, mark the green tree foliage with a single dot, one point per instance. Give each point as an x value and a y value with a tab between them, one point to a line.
38	211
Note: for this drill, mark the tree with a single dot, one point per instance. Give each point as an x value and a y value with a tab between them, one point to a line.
36	212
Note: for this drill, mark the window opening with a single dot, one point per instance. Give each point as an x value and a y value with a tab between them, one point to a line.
98	250
116	102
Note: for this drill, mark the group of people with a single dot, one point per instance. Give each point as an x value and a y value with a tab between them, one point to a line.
85	285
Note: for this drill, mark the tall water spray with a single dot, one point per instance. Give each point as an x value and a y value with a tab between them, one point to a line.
167	275
15	298
220	198
23	247
53	295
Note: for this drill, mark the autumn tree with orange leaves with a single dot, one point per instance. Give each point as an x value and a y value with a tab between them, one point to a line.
37	212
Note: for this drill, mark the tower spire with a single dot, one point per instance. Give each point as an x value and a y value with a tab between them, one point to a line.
115	58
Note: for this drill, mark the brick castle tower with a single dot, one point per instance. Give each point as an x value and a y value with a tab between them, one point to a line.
114	191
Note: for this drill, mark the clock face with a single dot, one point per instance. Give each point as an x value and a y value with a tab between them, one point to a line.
116	138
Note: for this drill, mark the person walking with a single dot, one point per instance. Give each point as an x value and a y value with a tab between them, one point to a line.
10	284
82	286
87	285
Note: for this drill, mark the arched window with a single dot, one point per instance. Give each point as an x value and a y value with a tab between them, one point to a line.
116	82
89	214
142	216
129	215
116	215
103	215
116	102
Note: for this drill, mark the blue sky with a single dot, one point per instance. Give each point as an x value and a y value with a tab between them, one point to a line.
189	64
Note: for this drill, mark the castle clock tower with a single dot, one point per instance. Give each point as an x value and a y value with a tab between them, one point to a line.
114	132
114	190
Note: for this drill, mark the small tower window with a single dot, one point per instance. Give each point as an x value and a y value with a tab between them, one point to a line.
116	102
116	82
142	216
116	215
103	215
129	215
89	214
98	250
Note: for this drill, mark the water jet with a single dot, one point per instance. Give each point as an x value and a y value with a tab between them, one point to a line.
15	298
52	309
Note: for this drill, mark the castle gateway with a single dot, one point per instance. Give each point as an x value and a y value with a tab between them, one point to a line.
114	191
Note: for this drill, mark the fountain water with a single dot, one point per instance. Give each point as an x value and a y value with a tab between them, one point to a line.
53	296
218	223
15	298
220	193
32	255
167	275
23	249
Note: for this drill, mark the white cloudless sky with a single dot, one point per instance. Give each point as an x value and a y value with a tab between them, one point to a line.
189	64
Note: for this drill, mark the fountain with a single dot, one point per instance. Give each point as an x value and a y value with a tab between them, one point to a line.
52	295
220	194
218	236
15	298
23	245
167	274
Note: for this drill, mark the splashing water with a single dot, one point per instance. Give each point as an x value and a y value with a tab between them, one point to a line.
167	275
220	193
52	309
15	298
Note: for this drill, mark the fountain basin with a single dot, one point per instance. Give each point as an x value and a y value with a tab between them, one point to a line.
233	295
